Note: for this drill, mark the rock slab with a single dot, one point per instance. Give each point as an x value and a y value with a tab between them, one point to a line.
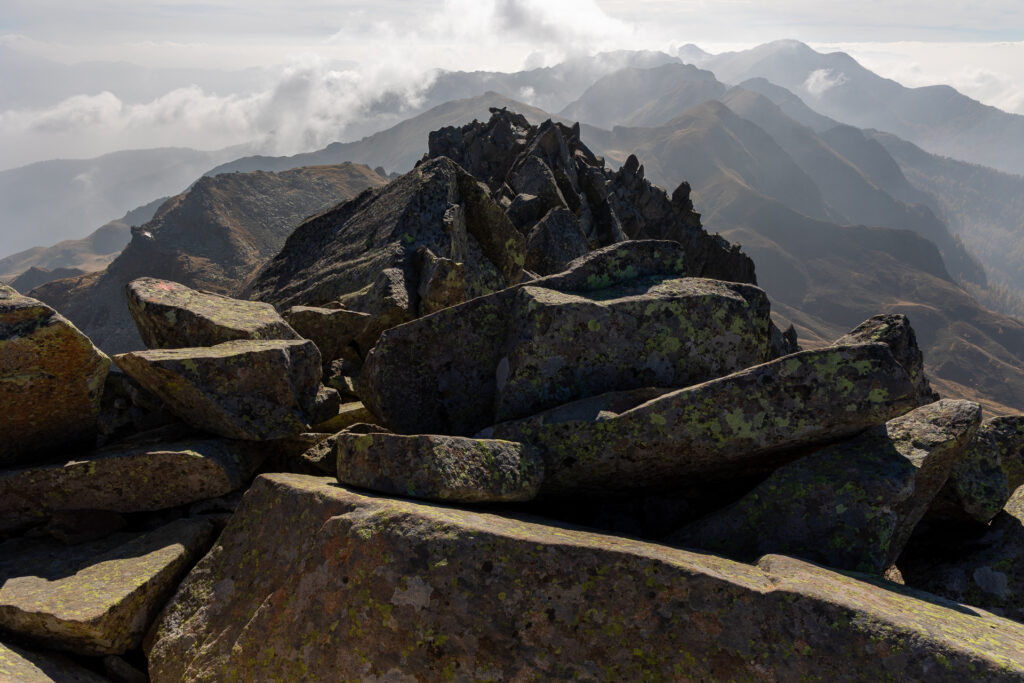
252	390
96	598
440	468
852	505
51	380
311	582
24	666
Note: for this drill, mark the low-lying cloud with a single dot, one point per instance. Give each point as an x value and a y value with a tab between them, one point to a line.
821	81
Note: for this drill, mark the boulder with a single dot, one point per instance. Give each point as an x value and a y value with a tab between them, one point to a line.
331	329
345	416
132	477
554	242
311	581
988	474
609	323
743	424
979	566
96	598
253	390
51	381
442	468
364	253
172	316
25	666
895	330
852	505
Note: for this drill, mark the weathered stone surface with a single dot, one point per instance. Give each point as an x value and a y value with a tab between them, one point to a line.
895	330
982	566
128	478
441	468
852	505
742	424
51	380
988	474
364	252
609	323
172	316
554	242
127	409
331	329
96	598
337	586
18	665
345	416
253	390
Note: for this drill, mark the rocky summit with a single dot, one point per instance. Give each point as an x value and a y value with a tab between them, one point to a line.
512	416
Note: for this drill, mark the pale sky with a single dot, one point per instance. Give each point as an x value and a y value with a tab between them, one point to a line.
978	47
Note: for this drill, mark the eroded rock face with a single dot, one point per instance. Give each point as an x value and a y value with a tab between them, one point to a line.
852	505
742	424
364	252
252	390
333	330
51	381
440	468
990	471
172	316
592	329
427	591
128	478
895	331
96	598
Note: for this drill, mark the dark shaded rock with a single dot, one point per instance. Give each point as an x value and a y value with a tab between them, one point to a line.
743	424
51	381
615	320
441	468
895	330
97	598
333	330
988	474
127	409
363	252
172	316
82	526
442	281
345	416
120	671
325	407
424	590
131	477
255	390
982	566
852	505
554	242
25	666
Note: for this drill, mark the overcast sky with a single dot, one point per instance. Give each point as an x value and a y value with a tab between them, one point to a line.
975	46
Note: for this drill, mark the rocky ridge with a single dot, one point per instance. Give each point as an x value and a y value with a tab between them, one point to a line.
447	442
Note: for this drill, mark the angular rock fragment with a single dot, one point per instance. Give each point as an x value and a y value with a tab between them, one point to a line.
97	598
852	505
331	329
895	330
51	381
441	468
982	567
132	477
172	316
347	415
554	242
311	581
988	474
24	666
743	424
623	325
253	390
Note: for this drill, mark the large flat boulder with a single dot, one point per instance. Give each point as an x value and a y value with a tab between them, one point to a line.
441	468
51	380
96	598
252	390
611	322
743	424
128	478
170	315
852	505
988	474
311	581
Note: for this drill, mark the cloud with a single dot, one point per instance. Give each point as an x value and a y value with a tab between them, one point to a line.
822	80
